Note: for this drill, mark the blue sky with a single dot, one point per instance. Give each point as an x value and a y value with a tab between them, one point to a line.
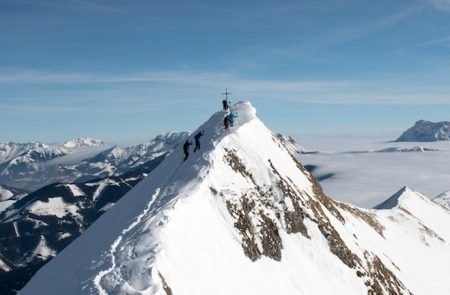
127	70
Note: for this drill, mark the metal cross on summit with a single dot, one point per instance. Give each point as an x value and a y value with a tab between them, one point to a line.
226	93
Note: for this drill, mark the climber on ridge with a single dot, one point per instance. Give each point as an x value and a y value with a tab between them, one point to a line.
197	140
232	116
226	121
225	104
186	146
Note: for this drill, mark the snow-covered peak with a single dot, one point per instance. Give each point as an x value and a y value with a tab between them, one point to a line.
427	131
241	210
10	150
82	142
443	199
402	198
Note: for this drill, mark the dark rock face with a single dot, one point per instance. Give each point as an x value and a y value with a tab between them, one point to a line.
244	225
262	214
381	279
166	287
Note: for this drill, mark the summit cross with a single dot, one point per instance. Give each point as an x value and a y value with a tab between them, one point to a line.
226	93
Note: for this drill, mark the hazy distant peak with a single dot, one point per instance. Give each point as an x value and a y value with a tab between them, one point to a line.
443	199
83	141
427	131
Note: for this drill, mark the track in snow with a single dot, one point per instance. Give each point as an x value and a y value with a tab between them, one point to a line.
113	249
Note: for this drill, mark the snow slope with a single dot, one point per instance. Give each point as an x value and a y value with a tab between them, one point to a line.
242	216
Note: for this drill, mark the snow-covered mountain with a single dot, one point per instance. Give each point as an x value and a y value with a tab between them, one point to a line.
41	224
83	141
32	166
427	131
119	160
443	199
243	216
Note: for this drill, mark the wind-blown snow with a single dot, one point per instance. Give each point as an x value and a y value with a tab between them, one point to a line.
175	232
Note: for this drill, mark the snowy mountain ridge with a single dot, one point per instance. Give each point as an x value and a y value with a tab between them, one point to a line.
424	131
400	198
243	216
34	165
443	199
83	141
119	160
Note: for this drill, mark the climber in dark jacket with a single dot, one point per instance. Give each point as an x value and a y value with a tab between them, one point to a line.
226	122
186	146
225	104
197	140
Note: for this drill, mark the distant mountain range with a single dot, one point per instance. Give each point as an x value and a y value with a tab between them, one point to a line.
30	166
427	131
34	227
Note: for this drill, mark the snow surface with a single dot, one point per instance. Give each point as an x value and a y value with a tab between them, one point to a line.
4	266
173	231
5	194
54	206
42	250
76	191
5	204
